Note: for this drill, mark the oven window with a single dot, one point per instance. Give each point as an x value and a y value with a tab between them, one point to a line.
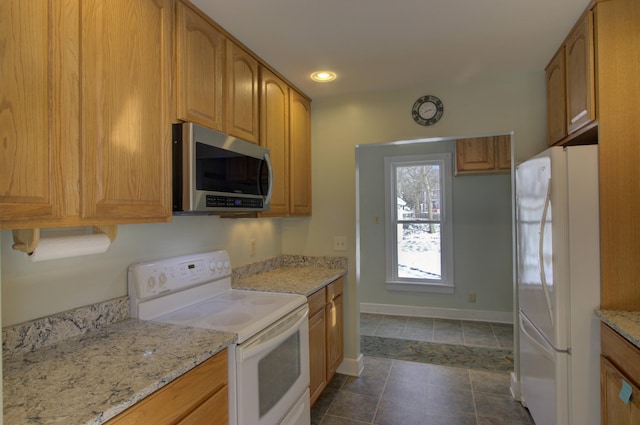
277	372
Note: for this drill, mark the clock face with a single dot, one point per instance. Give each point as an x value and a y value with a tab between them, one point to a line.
427	110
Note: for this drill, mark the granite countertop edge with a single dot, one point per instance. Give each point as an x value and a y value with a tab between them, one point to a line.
149	354
626	323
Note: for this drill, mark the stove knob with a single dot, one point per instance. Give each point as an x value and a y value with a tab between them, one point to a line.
151	283
212	266
163	280
219	265
226	264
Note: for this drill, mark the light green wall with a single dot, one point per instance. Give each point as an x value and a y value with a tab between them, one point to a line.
497	105
33	290
481	235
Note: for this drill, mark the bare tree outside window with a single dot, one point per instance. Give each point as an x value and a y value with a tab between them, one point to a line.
418	186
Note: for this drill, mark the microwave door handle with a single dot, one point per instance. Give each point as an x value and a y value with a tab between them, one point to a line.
267	159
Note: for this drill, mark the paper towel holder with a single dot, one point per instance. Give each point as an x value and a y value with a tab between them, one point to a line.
26	240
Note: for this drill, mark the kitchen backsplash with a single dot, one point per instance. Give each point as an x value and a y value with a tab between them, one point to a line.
28	336
24	337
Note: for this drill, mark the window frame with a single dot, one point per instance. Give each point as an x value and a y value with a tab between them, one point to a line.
393	282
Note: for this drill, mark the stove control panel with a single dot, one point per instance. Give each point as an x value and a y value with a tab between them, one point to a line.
153	278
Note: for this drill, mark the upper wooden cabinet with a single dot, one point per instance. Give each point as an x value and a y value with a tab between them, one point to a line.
31	185
556	98
274	135
285	128
216	79
571	84
199	69
579	50
87	101
241	105
125	115
300	154
483	155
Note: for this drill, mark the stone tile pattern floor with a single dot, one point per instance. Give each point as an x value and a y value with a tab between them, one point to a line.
400	392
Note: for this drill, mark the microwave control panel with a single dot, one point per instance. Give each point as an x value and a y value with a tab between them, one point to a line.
217	201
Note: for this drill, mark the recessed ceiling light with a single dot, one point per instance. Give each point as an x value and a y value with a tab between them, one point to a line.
323	76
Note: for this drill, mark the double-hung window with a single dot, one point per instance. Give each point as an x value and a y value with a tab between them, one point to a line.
419	245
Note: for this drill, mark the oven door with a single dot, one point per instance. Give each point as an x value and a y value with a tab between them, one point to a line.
272	370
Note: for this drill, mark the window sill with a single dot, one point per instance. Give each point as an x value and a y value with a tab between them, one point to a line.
435	288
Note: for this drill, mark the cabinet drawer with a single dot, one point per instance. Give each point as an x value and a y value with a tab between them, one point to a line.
179	398
214	410
334	289
317	301
620	352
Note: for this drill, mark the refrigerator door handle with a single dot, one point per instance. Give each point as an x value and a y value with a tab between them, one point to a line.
547	347
543	224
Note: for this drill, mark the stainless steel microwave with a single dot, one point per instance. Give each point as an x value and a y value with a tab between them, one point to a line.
214	172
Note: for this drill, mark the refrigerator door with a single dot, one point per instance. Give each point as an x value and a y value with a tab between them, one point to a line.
542	228
544	376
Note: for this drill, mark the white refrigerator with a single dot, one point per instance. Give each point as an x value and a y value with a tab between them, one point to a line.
558	269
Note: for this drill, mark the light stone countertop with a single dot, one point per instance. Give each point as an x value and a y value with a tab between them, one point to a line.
626	323
295	280
91	378
85	366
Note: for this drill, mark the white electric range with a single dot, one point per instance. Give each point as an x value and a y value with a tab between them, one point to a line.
268	362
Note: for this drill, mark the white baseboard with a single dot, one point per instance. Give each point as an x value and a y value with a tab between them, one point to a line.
441	313
351	367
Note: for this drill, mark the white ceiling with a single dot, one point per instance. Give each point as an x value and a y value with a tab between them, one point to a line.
376	45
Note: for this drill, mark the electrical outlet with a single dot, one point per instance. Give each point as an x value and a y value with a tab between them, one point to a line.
339	243
252	247
471	297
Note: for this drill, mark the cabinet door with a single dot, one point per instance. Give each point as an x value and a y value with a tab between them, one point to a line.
556	99
39	114
126	136
503	152
475	154
614	410
580	75
335	349
241	104
199	69
317	358
213	411
300	154
274	135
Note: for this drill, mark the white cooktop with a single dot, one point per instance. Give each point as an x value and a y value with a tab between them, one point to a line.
195	291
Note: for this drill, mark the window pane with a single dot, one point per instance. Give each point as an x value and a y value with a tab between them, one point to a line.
418	192
419	253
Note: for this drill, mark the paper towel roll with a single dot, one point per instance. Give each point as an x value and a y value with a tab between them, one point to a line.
70	246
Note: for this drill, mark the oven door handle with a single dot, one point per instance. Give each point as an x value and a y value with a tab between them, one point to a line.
275	334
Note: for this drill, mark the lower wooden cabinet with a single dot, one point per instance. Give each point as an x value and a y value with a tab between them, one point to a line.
199	397
619	379
326	347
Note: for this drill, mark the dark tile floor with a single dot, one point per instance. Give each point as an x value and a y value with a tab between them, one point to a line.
397	392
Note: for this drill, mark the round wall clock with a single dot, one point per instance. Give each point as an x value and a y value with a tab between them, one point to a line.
427	110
